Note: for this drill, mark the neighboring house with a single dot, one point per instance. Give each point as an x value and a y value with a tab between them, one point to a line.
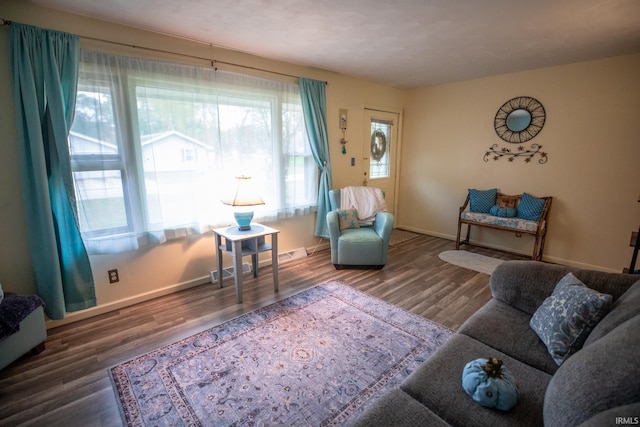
80	144
172	163
173	151
169	151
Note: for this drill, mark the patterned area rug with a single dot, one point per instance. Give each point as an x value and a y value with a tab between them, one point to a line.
470	260
312	359
400	236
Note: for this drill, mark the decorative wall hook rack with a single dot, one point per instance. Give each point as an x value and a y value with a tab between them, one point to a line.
496	153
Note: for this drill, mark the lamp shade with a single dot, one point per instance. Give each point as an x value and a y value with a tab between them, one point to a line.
244	195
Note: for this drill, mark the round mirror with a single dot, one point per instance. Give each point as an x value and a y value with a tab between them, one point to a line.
518	120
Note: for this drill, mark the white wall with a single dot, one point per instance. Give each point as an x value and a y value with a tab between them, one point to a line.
593	169
152	271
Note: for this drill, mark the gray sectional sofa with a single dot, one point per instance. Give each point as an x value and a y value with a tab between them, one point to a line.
599	385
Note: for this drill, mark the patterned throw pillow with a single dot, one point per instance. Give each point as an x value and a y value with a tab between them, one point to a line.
482	200
530	208
565	319
348	218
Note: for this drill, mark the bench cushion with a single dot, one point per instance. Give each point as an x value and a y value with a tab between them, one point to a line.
515	223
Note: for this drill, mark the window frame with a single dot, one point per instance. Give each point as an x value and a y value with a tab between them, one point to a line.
129	160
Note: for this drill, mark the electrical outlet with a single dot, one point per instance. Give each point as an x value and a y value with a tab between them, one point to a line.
114	277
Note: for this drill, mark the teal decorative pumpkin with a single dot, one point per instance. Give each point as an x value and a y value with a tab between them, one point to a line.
490	384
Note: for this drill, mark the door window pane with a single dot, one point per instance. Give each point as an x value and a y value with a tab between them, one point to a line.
380	162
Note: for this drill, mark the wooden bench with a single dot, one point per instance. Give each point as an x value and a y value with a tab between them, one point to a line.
537	229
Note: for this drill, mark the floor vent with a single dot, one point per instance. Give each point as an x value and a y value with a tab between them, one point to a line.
291	255
227	272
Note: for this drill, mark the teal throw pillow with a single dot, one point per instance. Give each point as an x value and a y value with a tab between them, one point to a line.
530	208
481	201
348	218
565	319
503	212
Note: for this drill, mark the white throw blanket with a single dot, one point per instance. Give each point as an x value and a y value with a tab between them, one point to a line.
366	200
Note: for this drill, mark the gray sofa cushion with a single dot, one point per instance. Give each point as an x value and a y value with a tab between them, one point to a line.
437	384
507	330
625	308
526	284
601	376
396	408
612	417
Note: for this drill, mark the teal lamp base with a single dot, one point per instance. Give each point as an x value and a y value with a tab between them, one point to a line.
244	220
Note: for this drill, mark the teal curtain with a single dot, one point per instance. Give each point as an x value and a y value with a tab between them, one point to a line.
314	107
44	67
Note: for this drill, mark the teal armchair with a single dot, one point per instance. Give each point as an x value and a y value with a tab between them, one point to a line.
364	247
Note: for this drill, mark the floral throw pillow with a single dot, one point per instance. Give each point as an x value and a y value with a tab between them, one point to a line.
565	319
348	218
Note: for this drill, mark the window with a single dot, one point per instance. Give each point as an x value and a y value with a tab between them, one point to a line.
188	155
155	146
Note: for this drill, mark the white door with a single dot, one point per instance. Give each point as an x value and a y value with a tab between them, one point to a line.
380	150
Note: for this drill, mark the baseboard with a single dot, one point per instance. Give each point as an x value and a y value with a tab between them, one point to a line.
227	272
126	302
545	258
576	264
323	244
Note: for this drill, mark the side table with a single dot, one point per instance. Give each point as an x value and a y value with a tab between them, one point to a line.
241	243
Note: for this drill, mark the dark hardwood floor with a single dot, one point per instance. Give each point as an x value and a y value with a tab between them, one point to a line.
68	385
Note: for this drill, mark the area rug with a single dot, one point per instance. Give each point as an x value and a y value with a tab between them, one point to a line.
470	260
313	359
400	236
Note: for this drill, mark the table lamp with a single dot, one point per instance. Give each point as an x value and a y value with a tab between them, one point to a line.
244	195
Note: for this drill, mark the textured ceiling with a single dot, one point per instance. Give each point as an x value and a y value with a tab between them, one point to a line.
402	43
